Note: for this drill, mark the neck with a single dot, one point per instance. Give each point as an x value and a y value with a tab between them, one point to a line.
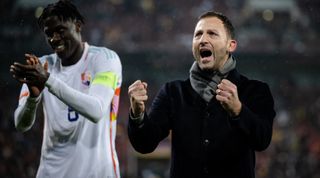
75	57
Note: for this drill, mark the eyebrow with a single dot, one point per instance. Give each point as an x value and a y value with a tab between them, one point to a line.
46	30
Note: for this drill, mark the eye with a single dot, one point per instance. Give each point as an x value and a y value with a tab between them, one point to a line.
197	34
49	34
212	33
61	31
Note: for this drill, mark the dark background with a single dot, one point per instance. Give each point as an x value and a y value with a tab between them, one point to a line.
277	43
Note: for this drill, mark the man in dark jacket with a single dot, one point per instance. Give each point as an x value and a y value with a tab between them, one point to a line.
218	117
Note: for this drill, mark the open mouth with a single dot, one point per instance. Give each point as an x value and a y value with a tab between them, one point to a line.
205	53
59	48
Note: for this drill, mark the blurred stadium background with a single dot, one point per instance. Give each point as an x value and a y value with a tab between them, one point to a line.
278	43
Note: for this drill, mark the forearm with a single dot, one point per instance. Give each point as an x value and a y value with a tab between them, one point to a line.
147	131
92	106
258	128
142	134
25	114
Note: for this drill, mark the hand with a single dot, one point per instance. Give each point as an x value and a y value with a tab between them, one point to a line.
138	95
35	91
33	74
227	94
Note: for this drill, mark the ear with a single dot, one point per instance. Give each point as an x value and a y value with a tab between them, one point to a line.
78	26
232	45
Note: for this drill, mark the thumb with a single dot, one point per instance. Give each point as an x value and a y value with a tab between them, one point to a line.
145	85
45	66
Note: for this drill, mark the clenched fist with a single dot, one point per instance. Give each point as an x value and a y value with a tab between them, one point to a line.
227	94
138	95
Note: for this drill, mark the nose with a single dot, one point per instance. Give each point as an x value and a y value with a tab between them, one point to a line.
55	37
203	39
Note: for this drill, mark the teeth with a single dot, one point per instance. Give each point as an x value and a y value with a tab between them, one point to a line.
60	47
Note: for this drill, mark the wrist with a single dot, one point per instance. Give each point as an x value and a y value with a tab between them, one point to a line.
136	114
237	110
47	76
33	99
137	119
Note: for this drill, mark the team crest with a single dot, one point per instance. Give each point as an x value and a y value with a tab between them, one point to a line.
86	78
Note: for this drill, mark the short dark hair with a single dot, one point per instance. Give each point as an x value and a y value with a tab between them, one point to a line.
226	22
63	9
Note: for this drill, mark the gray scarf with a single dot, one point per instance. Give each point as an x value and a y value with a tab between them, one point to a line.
205	82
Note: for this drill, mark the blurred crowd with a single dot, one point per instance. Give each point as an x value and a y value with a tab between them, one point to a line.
142	30
295	148
291	26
